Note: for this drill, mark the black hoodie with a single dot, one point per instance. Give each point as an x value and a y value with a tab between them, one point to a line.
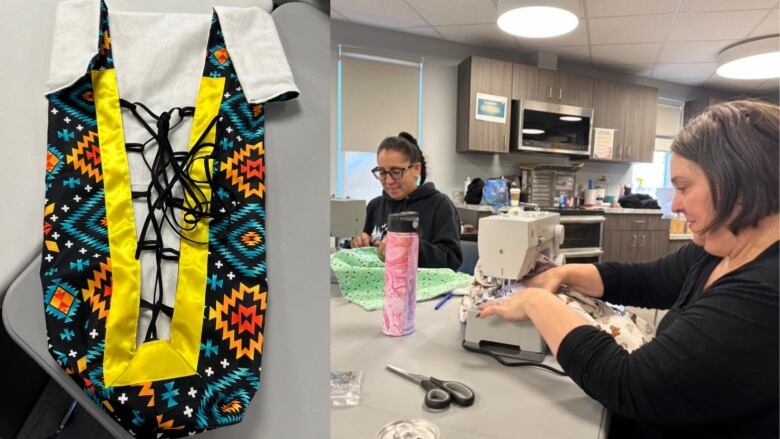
439	224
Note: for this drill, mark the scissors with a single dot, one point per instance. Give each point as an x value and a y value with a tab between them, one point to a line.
438	394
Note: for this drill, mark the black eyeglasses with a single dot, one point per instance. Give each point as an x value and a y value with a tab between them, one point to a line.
394	173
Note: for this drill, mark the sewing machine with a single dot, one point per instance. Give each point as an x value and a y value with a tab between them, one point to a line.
509	246
346	218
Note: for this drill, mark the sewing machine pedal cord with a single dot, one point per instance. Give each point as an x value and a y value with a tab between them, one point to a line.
503	362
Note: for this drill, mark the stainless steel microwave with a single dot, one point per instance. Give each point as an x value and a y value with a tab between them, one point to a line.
553	128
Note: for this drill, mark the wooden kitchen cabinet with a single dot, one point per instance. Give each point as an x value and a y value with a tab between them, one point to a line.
635	237
482	75
629	109
546	85
639	132
696	107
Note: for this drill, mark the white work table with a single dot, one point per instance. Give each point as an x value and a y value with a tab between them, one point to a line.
511	402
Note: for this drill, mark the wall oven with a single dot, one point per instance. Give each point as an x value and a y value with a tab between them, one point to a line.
546	127
582	235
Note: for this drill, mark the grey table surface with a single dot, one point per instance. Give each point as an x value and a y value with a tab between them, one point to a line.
511	402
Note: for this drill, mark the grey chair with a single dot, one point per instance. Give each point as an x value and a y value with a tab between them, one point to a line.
470	257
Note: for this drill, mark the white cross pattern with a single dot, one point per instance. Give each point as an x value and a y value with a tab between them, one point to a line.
123	398
49	258
77	198
96	255
238	138
83	250
93	333
79	127
192	392
88	188
209	372
188	411
227	95
69	244
53	111
224	363
53	218
67	119
55	235
65	208
218	264
229	130
73	353
231	275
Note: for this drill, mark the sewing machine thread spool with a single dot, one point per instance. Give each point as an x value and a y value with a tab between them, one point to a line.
400	290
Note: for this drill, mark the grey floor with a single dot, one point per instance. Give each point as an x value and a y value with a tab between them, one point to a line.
47	413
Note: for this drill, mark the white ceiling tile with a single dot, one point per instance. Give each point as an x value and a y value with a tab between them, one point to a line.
769	84
449	12
689	81
702	26
770	25
692	51
569	53
577	37
625	53
725	5
638	29
385	13
484	35
684	70
612	8
426	31
736	85
631	69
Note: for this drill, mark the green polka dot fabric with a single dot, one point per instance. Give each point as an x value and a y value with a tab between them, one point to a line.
361	276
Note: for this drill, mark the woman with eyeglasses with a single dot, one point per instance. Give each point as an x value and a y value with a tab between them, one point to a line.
400	163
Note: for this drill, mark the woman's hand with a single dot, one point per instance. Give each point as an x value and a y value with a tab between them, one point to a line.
380	249
513	308
361	240
550	280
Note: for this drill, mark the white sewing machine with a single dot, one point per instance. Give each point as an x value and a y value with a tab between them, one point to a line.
509	246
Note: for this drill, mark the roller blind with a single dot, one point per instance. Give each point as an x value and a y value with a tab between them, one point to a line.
667	123
380	97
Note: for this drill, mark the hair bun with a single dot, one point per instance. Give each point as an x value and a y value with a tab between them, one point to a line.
407	136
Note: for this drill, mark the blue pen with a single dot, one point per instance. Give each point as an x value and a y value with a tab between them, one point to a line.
444	300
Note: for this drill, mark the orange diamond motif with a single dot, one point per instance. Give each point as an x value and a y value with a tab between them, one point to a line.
51	161
61	300
245	170
251	238
221	55
86	156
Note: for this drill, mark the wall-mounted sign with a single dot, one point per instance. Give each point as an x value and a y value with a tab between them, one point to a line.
491	108
603	140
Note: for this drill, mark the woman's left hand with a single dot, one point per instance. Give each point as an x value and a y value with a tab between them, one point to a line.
512	308
380	249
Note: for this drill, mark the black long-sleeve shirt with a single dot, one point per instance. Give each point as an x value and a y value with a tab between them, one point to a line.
711	370
439	224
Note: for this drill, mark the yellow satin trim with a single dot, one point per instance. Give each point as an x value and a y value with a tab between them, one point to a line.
124	363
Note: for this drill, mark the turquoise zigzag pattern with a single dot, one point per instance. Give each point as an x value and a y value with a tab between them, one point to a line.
219	392
71	101
84	224
250	261
239	112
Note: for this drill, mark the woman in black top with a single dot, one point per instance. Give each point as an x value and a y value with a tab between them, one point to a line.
400	163
712	369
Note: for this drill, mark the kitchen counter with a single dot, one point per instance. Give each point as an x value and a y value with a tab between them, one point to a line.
624	210
474	207
680	236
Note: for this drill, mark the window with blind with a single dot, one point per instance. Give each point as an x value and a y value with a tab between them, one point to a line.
379	95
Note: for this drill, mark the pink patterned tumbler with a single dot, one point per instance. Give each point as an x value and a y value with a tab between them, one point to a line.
400	273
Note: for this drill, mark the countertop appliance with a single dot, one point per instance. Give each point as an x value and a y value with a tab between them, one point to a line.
552	128
583	229
509	246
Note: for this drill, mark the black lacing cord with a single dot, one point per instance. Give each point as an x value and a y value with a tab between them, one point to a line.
160	194
503	362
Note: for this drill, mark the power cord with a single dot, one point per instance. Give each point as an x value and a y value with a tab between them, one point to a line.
503	362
